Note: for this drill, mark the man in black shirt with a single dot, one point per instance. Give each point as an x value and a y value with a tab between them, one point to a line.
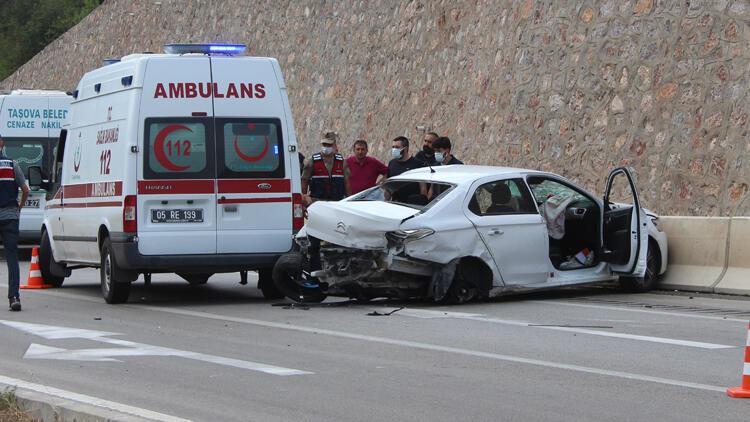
427	155
443	156
402	161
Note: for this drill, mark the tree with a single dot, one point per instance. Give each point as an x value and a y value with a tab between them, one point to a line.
27	26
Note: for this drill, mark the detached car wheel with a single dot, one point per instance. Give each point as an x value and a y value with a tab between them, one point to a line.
649	279
267	286
114	288
46	260
290	277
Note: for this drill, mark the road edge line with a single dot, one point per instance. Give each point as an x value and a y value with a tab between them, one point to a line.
47	403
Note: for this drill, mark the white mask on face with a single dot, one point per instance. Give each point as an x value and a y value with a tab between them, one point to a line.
326	150
396	152
439	157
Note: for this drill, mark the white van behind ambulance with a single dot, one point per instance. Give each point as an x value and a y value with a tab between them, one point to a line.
30	122
182	162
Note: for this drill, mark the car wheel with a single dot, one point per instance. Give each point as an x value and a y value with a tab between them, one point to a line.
462	290
267	286
46	260
289	274
114	290
195	279
649	279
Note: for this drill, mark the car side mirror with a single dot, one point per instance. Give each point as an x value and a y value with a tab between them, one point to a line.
35	177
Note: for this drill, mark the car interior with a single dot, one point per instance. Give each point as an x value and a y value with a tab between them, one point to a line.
580	224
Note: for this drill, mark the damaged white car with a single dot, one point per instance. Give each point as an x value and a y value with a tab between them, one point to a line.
458	233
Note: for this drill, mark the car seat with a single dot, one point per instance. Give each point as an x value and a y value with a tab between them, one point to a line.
501	197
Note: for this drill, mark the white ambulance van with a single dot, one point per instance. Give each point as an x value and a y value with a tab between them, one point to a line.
30	122
183	162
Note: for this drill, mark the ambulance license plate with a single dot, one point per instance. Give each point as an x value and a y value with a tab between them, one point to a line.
177	216
31	203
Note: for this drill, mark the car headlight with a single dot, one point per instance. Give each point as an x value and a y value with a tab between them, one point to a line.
403	236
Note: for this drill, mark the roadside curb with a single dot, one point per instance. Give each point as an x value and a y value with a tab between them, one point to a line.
53	408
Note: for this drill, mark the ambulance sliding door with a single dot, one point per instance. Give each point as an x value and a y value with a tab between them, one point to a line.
254	207
176	171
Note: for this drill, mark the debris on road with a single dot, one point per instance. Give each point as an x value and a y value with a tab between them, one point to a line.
376	313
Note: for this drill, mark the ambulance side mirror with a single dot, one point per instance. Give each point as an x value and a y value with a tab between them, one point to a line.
35	177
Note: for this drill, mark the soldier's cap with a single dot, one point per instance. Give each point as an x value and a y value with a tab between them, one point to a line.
329	138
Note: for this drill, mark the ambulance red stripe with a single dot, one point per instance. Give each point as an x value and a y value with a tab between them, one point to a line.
253	200
175	187
255	186
92	190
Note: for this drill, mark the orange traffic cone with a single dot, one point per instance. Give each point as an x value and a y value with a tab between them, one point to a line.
743	392
35	276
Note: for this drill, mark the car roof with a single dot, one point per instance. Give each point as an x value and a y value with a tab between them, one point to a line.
459	173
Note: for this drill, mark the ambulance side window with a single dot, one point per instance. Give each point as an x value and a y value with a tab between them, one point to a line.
178	148
249	148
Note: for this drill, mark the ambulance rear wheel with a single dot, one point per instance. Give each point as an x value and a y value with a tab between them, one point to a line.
267	286
289	275
46	260
114	289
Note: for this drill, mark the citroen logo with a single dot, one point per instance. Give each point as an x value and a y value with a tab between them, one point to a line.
341	227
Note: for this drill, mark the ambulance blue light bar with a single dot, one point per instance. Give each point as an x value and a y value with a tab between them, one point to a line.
228	49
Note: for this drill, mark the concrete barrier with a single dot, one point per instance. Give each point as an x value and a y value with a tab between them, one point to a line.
736	279
697	252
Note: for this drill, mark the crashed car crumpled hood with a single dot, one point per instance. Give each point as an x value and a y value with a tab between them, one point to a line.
355	224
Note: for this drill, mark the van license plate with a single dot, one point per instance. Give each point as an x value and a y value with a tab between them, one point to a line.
177	216
31	203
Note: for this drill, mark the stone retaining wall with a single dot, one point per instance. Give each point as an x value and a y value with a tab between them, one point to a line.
574	87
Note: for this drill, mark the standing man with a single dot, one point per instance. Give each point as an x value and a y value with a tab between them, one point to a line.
402	161
427	155
11	179
326	173
443	156
364	170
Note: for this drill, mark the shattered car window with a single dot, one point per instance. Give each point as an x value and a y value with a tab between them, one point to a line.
549	188
405	192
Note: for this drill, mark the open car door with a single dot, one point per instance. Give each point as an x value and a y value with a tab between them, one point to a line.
624	229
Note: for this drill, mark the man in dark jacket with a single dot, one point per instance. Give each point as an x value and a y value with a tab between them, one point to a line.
11	179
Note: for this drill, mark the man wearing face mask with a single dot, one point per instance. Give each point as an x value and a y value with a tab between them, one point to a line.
326	173
443	156
427	155
402	161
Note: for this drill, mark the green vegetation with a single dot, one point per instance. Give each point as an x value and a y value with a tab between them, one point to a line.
27	26
9	411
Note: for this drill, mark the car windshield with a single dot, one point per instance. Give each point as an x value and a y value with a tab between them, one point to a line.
414	194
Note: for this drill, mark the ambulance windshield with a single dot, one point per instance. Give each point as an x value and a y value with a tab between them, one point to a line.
30	152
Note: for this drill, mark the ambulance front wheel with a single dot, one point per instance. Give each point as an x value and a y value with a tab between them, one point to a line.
115	287
46	261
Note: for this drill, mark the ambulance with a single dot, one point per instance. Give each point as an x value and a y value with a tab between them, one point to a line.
183	162
30	123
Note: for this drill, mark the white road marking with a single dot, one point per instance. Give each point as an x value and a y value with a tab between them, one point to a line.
436	348
89	400
431	347
425	313
642	311
127	348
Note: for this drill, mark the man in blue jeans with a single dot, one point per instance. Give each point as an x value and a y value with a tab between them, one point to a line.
11	179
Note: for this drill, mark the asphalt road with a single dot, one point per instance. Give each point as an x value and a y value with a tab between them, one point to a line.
220	352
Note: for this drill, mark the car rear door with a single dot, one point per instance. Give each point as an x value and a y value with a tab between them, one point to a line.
176	171
508	222
254	207
624	228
